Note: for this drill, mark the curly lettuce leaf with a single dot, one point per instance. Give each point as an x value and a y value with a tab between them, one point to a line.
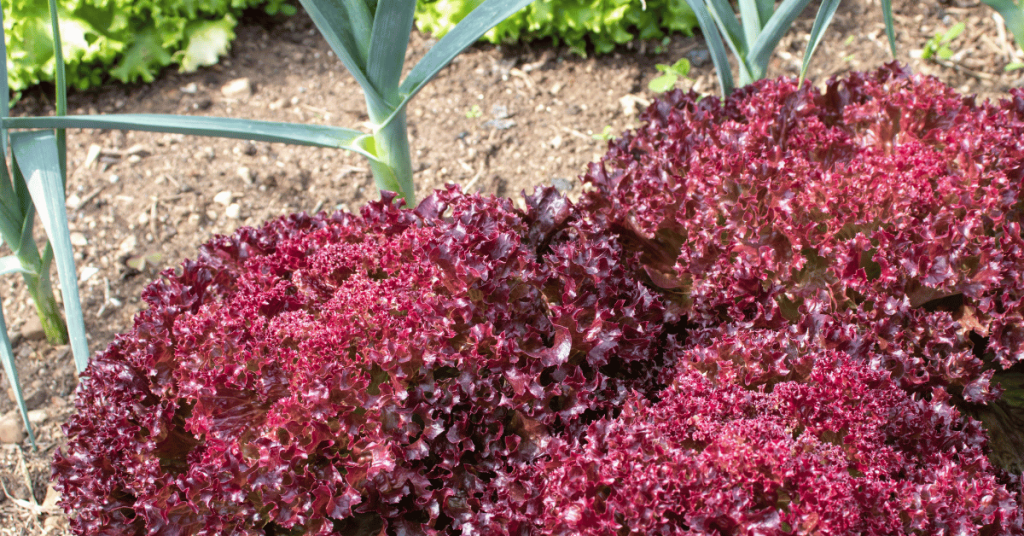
126	40
207	42
603	24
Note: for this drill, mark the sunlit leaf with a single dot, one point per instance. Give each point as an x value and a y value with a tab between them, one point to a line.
208	40
11	265
35	154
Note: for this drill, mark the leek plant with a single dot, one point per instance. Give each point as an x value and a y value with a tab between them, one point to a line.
369	36
1012	12
753	36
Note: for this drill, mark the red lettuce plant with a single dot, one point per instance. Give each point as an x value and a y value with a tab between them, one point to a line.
349	375
835	447
881	217
829	283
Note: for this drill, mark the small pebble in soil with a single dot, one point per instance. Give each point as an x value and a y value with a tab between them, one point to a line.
78	239
234	211
12	431
500	124
224	198
205	153
73	203
87	273
500	111
238	88
191	89
245	174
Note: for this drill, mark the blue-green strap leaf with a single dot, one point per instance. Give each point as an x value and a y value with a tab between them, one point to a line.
5	91
7	357
821	22
890	30
750	15
721	12
729	24
715	45
347	26
61	88
35	153
10	210
765	9
761	50
392	24
478	22
1012	13
26	246
224	127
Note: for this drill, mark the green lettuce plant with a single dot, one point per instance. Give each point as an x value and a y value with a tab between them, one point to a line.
369	36
602	23
128	40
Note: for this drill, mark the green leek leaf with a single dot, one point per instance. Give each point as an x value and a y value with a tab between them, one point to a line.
724	17
890	31
715	45
477	23
35	154
750	15
765	10
347	26
225	127
761	50
7	356
392	25
730	25
11	265
1013	14
821	22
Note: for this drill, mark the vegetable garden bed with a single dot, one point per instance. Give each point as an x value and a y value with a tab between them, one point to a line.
500	120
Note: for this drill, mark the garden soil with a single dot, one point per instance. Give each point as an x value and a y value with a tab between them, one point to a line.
500	120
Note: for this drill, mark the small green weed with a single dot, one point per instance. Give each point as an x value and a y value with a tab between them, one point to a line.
938	46
671	74
604	135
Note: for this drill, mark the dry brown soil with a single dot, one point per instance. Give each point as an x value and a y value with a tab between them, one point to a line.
499	120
